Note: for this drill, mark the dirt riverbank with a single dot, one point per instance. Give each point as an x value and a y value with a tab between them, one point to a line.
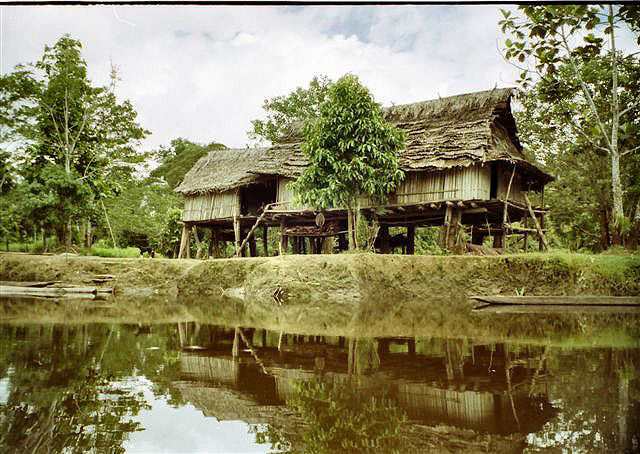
344	277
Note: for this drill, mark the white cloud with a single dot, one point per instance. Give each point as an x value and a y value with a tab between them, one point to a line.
203	72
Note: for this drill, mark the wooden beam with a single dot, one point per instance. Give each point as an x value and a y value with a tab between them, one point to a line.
283	238
460	203
543	239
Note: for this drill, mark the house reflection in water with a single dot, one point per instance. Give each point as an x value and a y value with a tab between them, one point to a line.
235	373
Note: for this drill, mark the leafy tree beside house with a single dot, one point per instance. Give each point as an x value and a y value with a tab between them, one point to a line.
546	38
351	152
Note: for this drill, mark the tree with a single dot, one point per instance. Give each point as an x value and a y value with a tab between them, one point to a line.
62	125
287	113
556	126
177	159
351	152
548	37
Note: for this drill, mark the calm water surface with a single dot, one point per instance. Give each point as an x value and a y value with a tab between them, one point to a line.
193	387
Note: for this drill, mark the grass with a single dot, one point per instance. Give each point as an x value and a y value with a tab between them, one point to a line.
128	252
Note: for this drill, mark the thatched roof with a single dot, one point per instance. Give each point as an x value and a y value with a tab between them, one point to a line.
456	131
222	170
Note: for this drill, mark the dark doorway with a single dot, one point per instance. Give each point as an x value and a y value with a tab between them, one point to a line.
253	198
493	192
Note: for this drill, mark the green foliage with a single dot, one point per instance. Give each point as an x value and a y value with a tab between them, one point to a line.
351	150
177	159
556	127
545	31
141	211
342	419
171	232
286	113
56	119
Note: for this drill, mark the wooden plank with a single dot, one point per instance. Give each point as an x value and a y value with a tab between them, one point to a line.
561	300
8	290
28	283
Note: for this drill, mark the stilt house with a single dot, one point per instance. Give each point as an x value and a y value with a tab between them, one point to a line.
463	166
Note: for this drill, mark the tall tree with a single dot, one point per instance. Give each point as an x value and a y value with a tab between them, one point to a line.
67	129
179	157
286	114
557	126
546	37
351	151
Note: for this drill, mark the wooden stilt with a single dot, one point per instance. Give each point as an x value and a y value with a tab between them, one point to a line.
443	240
295	244
236	233
526	233
498	238
253	250
214	240
283	238
184	241
385	240
327	245
198	242
477	237
265	242
411	239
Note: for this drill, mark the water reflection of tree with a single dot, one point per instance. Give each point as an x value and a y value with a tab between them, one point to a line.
600	410
341	418
69	389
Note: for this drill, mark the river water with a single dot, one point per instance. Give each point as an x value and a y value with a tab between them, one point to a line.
200	387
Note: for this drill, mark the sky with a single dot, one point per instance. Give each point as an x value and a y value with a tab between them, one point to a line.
203	72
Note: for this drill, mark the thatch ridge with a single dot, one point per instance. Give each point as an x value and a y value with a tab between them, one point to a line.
222	170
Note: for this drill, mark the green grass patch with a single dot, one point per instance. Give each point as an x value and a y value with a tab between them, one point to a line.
128	252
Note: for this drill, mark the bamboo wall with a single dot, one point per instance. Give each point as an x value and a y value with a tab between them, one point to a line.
461	183
213	205
516	192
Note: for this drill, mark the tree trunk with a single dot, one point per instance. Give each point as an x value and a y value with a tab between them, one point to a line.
615	156
351	228
634	235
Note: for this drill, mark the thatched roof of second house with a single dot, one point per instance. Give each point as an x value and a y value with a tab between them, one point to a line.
222	170
456	131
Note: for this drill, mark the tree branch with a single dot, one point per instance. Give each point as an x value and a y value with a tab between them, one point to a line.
585	89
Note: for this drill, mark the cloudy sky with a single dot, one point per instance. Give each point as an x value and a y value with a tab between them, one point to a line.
203	72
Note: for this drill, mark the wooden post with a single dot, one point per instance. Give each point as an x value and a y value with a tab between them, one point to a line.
526	233
197	240
385	243
283	238
253	250
295	247
477	237
542	241
236	233
214	240
443	240
454	227
411	239
184	241
327	245
498	239
265	242
235	348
